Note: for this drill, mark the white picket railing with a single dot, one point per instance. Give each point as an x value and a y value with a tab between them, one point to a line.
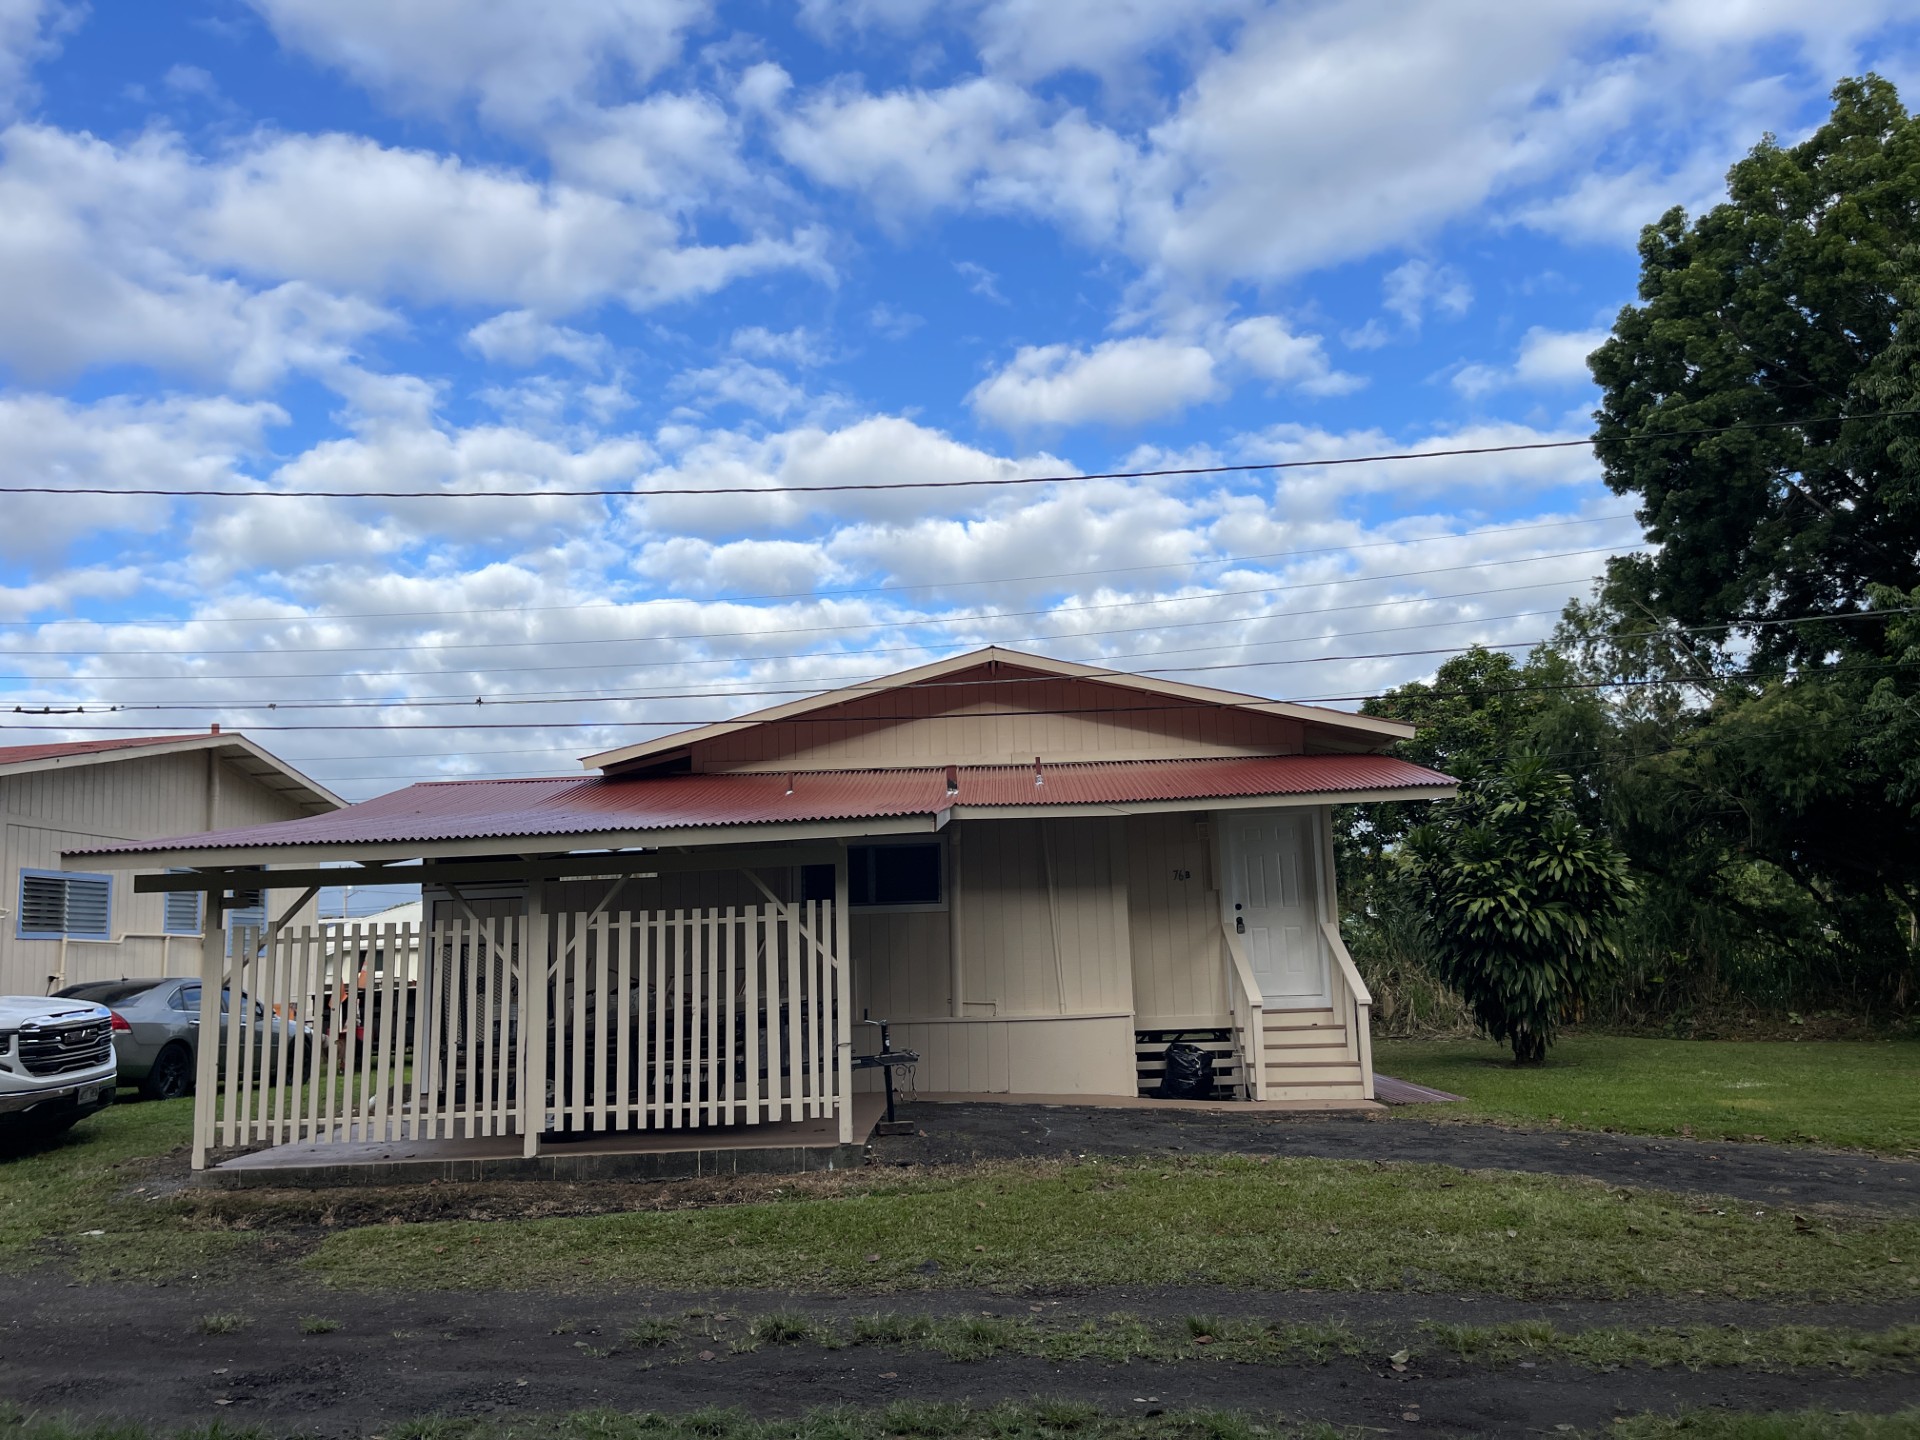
651	1021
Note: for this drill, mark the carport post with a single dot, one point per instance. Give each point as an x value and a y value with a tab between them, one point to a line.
535	957
843	998
206	1085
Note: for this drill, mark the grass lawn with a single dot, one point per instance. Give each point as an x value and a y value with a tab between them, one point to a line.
1279	1223
1285	1223
1854	1094
1122	1338
65	1197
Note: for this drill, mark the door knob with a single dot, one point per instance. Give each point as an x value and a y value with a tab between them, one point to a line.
1239	925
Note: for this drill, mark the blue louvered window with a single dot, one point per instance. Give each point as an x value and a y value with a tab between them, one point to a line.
56	904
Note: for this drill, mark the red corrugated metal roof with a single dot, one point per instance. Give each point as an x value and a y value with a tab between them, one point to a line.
597	805
16	754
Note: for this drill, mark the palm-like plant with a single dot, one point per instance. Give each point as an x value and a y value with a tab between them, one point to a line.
1524	900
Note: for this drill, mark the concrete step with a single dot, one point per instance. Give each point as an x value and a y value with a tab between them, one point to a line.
1300	1020
1318	1096
1325	1047
1330	1072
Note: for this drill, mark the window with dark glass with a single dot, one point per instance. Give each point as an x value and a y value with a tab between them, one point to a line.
880	876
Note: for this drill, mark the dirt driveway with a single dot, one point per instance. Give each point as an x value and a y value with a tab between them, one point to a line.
137	1353
141	1352
1772	1175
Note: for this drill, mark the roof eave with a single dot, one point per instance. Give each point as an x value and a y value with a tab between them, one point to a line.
1221	802
317	798
390	852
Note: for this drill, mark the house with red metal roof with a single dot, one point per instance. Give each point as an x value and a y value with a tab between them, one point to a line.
63	926
1041	875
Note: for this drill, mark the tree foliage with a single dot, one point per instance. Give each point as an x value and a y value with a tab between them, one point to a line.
1739	707
1782	310
1523	899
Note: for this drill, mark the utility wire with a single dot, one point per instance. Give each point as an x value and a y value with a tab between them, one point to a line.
768	491
872	685
1205	561
896	623
692	723
924	649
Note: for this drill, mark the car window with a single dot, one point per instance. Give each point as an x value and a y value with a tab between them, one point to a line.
108	992
187	997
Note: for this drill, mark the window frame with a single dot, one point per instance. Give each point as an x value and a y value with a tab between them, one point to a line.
937	843
170	897
20	930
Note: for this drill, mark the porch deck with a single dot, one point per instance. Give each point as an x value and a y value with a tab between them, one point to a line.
792	1146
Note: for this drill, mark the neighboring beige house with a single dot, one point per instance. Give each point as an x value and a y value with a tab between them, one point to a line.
60	925
1038	871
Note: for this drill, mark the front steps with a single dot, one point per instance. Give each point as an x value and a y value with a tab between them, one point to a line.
1307	1058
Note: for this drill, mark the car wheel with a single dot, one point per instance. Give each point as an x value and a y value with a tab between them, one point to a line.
171	1076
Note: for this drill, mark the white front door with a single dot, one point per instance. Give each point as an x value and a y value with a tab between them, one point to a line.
1271	901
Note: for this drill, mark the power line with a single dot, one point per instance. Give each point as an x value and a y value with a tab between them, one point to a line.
977	616
926	649
434	702
686	723
1211	560
1326	462
871	685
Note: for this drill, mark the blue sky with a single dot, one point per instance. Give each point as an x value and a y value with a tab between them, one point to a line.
454	244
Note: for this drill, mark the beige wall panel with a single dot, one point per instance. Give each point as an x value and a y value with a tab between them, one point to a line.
1000	724
1066	1056
900	964
45	812
1043	918
1178	974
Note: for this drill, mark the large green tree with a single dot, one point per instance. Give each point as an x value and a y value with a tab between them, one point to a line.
1758	402
1781	310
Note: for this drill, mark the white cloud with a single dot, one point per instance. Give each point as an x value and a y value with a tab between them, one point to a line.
1141	379
979	143
1419	288
1265	345
1118	382
674	151
799	346
1035	38
30	30
752	387
877	450
518	64
893	323
346	211
519	337
1319	133
281	254
88	237
980	280
1547	360
117	444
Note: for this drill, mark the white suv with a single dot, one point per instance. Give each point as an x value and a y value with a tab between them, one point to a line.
56	1063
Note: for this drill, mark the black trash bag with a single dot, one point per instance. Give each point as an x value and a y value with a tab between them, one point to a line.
1188	1074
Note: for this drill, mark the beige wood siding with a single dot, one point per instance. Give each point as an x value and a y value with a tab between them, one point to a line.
1084	1055
140	797
1173	903
997	723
